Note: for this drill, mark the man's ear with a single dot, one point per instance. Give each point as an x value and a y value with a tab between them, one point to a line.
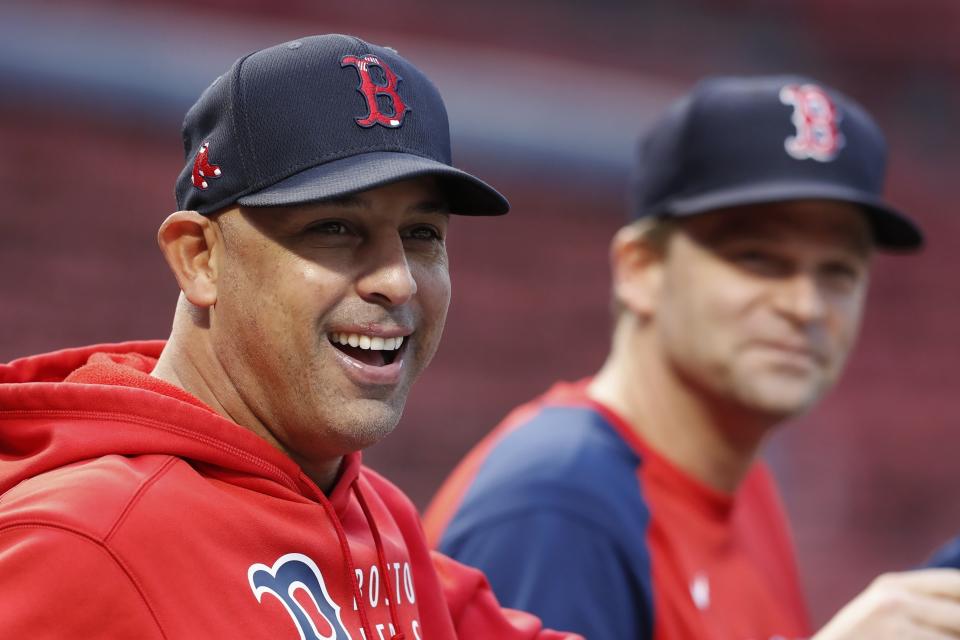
192	244
637	268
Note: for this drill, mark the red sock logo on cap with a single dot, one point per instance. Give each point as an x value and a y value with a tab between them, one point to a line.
370	90
202	168
817	121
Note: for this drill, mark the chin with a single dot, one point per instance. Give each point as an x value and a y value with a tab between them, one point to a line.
781	399
367	422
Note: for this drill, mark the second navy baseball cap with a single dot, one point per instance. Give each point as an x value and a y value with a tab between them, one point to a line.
750	140
318	118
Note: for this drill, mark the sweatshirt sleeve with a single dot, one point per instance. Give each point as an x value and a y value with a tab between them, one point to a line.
563	569
477	614
947	556
56	583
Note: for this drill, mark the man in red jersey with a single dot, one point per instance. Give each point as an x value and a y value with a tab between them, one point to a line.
212	487
633	504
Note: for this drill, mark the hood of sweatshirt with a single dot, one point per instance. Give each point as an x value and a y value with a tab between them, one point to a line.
161	465
149	417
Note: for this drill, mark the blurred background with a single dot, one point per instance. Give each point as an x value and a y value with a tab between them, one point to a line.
545	99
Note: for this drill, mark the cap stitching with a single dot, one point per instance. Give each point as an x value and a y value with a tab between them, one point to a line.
237	106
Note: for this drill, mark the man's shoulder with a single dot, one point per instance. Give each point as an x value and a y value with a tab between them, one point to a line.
565	458
946	556
88	497
559	443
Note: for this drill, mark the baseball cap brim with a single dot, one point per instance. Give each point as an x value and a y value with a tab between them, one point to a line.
892	230
466	194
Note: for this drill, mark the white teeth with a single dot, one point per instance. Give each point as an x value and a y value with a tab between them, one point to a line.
375	343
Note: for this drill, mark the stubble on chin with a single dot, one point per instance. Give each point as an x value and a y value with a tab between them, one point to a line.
779	395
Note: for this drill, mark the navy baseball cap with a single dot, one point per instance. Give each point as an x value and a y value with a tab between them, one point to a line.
751	140
318	118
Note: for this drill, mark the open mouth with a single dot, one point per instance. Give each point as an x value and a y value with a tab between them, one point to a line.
370	350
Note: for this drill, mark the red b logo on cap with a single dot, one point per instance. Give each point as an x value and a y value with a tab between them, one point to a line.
816	119
370	90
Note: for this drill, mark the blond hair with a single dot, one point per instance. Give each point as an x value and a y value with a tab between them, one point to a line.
654	232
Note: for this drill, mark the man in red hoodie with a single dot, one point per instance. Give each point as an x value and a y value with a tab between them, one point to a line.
211	486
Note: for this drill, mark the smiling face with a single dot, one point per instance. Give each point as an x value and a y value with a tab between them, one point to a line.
760	305
326	313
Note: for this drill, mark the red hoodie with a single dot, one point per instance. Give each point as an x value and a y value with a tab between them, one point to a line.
129	509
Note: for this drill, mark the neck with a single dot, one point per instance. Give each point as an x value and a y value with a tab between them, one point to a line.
189	362
707	438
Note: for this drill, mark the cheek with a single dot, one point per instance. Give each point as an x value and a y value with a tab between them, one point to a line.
434	290
276	306
430	304
706	309
846	313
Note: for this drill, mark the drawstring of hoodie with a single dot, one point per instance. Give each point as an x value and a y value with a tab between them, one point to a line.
381	560
350	568
348	565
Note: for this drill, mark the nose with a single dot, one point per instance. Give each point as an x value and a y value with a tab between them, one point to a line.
385	278
800	298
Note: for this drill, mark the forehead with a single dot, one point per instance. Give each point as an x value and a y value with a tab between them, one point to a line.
826	223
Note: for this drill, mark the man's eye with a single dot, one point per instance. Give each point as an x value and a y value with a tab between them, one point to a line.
762	263
842	273
424	232
329	227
